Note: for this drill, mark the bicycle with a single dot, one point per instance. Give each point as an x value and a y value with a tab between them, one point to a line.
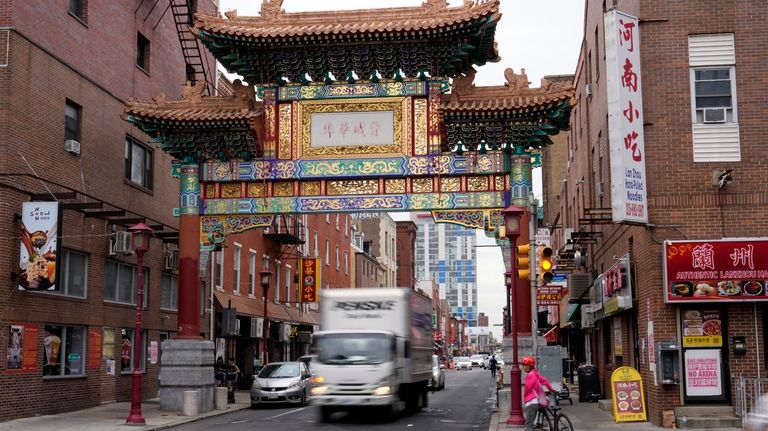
555	420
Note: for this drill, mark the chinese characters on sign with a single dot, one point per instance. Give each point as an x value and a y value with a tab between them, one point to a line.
706	271
309	279
627	395
625	118
353	128
39	246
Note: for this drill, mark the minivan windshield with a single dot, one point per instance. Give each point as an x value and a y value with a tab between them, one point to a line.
354	349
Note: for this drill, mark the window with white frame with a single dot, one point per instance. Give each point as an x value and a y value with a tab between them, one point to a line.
236	269
169	292
346	225
328	218
127	358
73	274
327	253
346	262
288	278
138	163
714	112
120	283
337	221
63	348
314	238
278	269
218	270
252	273
338	262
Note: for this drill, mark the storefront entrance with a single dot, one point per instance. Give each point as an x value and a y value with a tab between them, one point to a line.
706	377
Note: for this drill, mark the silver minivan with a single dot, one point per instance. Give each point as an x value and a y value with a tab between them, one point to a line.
437	382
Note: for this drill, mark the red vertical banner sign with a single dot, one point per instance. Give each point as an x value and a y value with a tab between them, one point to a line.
309	279
94	348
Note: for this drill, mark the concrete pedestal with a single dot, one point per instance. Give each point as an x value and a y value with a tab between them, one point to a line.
186	365
191	401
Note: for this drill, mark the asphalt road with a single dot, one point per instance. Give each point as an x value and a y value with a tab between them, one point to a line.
466	403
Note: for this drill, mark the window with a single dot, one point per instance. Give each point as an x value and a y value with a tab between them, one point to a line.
126	351
337	221
346	225
327	218
288	278
138	163
72	113
317	253
64	348
251	273
278	269
142	52
338	263
73	274
236	269
327	253
346	262
169	292
218	270
78	9
121	283
713	95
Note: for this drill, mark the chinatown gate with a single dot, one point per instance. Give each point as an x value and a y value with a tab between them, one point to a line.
345	111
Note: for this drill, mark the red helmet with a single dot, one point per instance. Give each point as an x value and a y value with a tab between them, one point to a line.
528	360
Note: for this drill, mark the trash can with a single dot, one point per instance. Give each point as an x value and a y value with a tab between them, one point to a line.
589	384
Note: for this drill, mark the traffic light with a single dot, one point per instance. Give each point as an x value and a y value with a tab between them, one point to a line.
523	262
546	265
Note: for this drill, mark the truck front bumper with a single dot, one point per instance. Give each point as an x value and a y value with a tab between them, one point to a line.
352	400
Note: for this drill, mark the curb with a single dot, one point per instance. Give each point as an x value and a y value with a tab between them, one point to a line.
189	419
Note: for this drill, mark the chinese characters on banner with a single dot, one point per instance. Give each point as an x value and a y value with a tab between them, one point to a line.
716	271
39	246
627	395
625	118
309	279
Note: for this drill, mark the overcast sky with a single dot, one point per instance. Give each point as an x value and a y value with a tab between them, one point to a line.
542	36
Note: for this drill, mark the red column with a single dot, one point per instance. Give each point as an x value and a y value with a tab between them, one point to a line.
189	254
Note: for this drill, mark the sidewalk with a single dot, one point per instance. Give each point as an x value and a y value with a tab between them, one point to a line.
111	417
588	417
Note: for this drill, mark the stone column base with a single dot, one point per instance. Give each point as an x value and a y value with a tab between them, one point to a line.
186	365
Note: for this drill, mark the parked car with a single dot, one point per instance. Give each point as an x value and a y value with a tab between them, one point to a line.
437	382
477	360
462	362
281	382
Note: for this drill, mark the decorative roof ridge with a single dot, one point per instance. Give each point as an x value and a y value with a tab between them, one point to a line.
517	85
243	100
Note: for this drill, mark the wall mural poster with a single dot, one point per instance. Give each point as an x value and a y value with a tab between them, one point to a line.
39	246
703	372
22	348
15	347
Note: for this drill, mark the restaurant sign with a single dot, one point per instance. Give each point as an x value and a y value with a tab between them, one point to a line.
611	292
627	395
716	270
309	279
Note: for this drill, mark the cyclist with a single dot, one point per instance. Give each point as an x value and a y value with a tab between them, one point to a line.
533	388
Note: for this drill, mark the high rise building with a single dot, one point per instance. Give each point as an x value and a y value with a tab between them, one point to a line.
446	253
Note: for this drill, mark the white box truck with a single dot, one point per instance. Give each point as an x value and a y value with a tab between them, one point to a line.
374	349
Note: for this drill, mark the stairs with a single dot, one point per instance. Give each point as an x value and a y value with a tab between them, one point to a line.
706	417
190	46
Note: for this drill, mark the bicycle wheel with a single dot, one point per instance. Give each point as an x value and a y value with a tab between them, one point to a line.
563	423
542	420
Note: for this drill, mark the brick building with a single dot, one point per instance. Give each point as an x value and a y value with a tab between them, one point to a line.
406	244
66	71
698	102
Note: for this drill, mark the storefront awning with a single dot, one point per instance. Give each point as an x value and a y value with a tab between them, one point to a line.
553	335
251	307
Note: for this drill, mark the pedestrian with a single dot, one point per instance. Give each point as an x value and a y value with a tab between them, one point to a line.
233	372
493	364
220	372
533	394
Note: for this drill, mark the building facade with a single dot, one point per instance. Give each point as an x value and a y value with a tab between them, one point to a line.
446	253
406	244
66	72
664	193
380	233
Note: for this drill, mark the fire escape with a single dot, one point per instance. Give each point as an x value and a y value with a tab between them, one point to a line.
287	234
183	18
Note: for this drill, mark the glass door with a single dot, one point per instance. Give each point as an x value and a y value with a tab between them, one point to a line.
705	356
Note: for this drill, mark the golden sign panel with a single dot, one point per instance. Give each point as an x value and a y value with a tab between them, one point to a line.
450	184
284	140
420	125
477	184
310	188
499	179
421	185
352	187
256	190
394	186
283	188
230	190
210	191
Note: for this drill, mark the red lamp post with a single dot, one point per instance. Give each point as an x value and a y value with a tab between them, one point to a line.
512	215
140	244
265	278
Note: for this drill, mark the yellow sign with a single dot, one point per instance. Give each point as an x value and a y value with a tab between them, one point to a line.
703	341
627	395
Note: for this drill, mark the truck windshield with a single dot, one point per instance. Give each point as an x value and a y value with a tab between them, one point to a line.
354	349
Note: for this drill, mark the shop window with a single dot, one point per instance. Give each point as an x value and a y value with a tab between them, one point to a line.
121	283
73	274
64	351
138	163
169	292
126	351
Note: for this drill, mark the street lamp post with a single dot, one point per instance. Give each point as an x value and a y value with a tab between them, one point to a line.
140	244
265	277
512	215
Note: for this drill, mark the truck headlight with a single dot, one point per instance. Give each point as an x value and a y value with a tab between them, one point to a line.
382	390
318	380
319	390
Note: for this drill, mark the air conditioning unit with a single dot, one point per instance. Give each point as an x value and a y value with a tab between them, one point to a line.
714	115
121	244
589	89
578	285
257	327
72	147
171	259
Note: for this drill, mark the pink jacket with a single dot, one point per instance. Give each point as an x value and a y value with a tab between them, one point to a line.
533	382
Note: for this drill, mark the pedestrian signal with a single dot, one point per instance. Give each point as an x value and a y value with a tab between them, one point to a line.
523	262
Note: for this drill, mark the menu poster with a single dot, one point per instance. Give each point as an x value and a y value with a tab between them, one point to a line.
94	348
702	328
22	348
627	395
108	348
702	372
